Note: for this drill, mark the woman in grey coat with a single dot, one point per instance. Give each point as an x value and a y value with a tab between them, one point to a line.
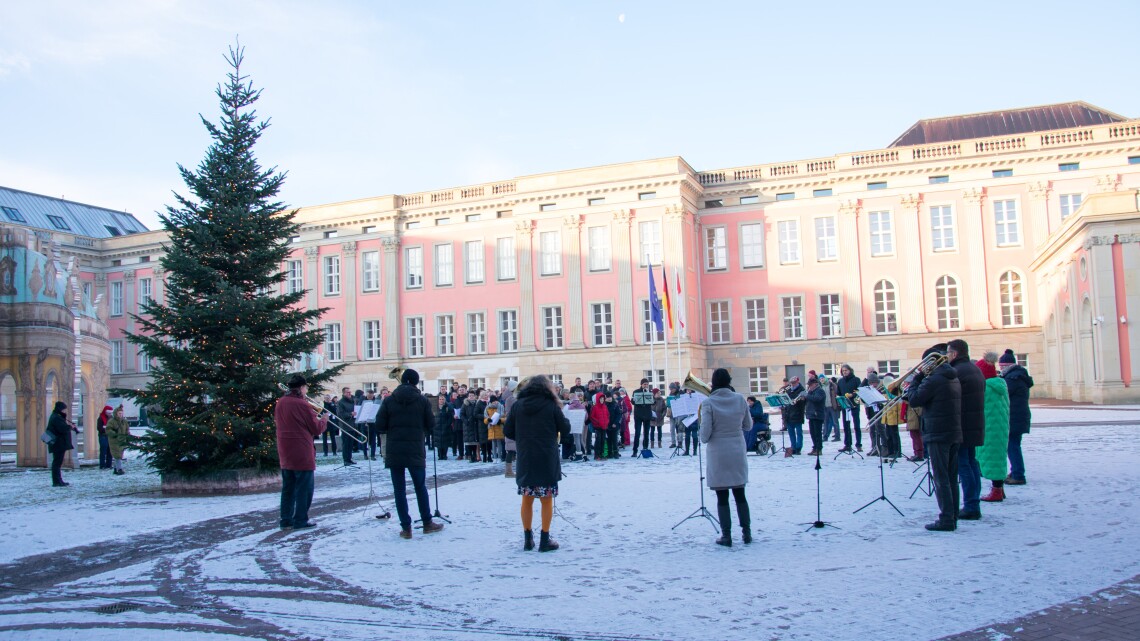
724	420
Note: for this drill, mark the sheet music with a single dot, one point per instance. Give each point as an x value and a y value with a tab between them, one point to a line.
577	419
870	395
367	413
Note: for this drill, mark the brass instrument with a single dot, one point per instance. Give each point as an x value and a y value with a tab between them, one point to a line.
896	386
697	385
338	422
396	373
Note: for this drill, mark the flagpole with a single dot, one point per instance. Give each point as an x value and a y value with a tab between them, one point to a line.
652	327
680	311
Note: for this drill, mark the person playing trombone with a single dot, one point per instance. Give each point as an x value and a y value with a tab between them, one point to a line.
297	426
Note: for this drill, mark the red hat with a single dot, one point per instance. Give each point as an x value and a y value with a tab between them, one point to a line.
108	408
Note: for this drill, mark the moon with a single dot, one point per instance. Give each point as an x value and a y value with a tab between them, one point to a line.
621	17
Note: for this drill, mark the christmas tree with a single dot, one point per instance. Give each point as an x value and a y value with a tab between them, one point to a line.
224	340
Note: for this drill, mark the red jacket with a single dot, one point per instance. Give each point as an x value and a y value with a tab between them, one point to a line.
599	415
297	426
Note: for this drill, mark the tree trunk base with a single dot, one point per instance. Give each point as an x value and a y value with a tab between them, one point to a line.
221	483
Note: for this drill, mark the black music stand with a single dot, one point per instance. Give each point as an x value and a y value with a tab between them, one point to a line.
818	523
882	491
702	511
435	487
926	483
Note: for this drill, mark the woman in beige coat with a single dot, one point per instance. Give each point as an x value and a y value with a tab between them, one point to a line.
118	437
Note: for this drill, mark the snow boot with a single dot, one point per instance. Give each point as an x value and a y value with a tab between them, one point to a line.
745	516
996	494
528	540
510	470
545	543
725	515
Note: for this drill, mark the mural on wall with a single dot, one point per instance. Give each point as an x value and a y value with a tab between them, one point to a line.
7	276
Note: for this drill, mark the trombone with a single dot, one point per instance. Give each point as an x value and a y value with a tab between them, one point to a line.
338	422
895	387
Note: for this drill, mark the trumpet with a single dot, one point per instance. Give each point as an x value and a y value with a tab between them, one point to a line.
896	386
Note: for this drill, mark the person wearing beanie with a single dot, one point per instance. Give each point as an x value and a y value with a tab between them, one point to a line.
845	386
938	393
794	417
404	419
973	427
724	420
104	442
297	426
815	410
60	430
1018	381
992	454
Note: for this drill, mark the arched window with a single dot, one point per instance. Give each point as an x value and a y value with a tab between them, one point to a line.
886	308
946	293
1012	296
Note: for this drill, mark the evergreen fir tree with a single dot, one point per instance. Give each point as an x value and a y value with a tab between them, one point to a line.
223	339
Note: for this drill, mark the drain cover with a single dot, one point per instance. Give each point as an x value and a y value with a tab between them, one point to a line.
116	608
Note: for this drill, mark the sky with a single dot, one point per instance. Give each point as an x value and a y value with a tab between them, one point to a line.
100	100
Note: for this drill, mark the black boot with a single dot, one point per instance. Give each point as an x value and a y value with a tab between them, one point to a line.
745	521
545	543
528	540
725	525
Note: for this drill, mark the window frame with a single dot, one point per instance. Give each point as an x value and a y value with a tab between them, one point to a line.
553	334
116	298
445	338
414	270
294	280
1065	201
476	336
441	267
649	335
415	343
549	257
508	331
373	342
793	241
1009	223
785	318
948	316
724	332
474	261
821	242
504	259
654	247
369	273
716	248
598	250
755	325
330	278
1016	304
831	324
943	229
757	248
606	324
890	315
884	234
334	349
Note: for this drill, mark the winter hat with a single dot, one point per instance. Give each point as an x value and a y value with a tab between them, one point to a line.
60	406
939	348
1008	358
410	377
108	408
721	378
811	373
511	385
296	381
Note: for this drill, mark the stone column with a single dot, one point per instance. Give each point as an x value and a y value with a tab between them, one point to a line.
1042	225
911	300
623	261
673	258
348	333
312	275
1130	257
850	247
974	294
524	247
130	306
390	326
572	249
159	290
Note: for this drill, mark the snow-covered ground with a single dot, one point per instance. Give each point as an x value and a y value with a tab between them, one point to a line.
623	571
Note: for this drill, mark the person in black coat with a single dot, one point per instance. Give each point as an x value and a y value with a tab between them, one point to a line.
760	424
443	418
846	384
794	417
346	412
405	419
537	425
937	391
59	427
973	427
815	409
1018	381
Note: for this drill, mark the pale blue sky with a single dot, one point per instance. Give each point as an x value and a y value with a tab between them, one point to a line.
99	99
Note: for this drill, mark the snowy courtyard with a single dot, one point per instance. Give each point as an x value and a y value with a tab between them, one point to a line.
109	558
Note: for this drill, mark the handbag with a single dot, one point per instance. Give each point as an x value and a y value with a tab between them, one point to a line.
48	438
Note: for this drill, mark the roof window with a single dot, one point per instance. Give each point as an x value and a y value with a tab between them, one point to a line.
59	223
14	214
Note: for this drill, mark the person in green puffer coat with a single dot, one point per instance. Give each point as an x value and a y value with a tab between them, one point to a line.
992	454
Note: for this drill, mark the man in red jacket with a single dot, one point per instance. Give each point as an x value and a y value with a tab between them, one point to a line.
297	427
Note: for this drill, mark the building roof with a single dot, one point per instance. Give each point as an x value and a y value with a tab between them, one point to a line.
58	215
1005	122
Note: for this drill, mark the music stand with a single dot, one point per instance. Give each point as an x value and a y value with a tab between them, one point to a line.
926	483
882	492
435	484
818	523
702	511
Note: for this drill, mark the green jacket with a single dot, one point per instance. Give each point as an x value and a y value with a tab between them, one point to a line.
992	455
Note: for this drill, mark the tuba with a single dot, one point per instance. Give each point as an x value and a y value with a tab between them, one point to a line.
396	373
696	384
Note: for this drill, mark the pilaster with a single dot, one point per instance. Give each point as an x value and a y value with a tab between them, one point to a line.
390	327
673	250
1043	224
911	299
524	248
623	261
312	276
572	249
348	332
130	308
974	293
850	240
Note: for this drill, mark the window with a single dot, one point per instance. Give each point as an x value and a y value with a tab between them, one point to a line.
1022	360
830	316
749	200
882	233
332	343
647	195
605	377
887	367
504	214
551	260
414	267
371	339
116	357
552	327
295	279
144	362
117	298
1012	299
13	214
439	222
938	180
415	224
755	320
505	252
114	231
788	195
720	329
476	383
942	228
294	239
876	185
599	239
332	275
649	333
603	320
472	218
372	386
713	204
1005	220
1070	203
473	257
368	229
649	236
444	385
826	247
1068	166
547	207
146	290
793	309
476	333
445	335
144	259
716	248
59	223
886	308
444	265
757	380
1002	173
831	369
751	245
789	234
946	295
819	193
594	202
1134	160
508	331
369	272
331	234
415	336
